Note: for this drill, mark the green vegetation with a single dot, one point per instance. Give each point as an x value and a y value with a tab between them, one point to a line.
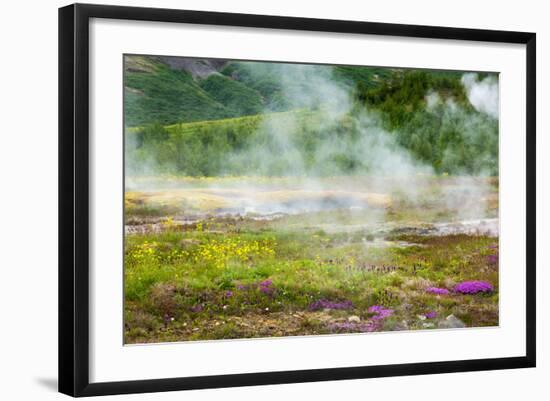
238	146
195	126
278	94
361	77
212	148
236	97
166	96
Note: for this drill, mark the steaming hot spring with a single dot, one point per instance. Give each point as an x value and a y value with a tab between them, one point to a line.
428	205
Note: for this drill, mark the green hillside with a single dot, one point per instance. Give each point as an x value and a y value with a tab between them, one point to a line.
204	148
157	93
448	141
277	119
237	98
163	95
279	83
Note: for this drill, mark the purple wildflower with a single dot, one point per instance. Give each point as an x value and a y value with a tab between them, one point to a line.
473	287
228	294
196	308
375	324
437	290
266	287
380	312
266	283
325	304
492	259
430	315
241	287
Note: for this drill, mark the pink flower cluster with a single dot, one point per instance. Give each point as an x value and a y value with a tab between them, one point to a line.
325	304
473	287
380	312
437	291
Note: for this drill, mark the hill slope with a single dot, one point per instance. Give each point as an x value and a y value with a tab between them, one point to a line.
168	90
204	117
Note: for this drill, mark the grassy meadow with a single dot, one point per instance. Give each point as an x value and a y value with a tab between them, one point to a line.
268	200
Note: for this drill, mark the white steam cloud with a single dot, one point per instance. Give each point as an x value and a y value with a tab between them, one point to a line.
363	140
484	94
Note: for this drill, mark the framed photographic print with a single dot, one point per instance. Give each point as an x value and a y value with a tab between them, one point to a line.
250	199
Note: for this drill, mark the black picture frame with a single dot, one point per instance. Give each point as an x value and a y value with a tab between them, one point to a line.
74	198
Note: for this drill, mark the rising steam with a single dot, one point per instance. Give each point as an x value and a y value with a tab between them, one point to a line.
351	136
483	95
